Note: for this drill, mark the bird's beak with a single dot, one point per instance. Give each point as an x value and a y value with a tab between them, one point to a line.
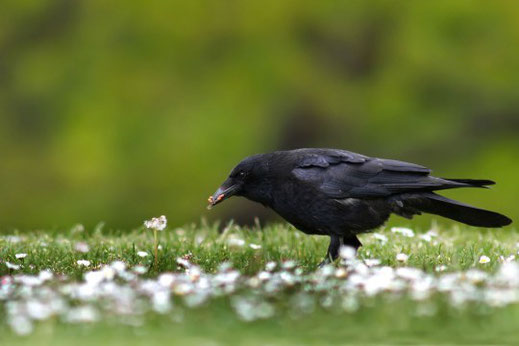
225	191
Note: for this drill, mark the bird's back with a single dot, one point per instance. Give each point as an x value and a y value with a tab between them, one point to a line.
335	189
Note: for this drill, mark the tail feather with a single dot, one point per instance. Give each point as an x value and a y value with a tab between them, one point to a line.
435	204
473	182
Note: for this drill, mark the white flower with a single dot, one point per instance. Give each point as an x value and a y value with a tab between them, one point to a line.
161	301
440	268
166	279
432	233
38	310
326	270
270	266
118	266
426	237
409	273
108	272
84	263
255	246
402	257
97	276
94	277
504	259
263	275
371	262
45	275
138	269
156	223
380	237
341	273
20	255
235	242
347	252
12	266
81	247
476	276
183	262
16	239
289	264
406	232
194	273
508	274
142	253
484	259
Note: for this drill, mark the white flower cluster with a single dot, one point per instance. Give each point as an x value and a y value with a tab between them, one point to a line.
117	289
156	223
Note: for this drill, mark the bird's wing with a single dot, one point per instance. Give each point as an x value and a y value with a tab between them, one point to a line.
342	174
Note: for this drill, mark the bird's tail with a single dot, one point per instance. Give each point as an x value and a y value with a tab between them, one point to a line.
435	204
473	182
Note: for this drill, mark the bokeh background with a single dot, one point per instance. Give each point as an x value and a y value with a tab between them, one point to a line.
117	111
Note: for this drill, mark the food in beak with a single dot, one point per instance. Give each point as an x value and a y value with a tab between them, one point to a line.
212	201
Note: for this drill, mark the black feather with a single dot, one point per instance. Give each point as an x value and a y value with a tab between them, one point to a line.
473	182
439	205
341	194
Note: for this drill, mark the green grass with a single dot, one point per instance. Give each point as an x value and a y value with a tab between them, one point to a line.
378	320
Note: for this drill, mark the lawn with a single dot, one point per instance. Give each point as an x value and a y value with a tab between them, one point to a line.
258	286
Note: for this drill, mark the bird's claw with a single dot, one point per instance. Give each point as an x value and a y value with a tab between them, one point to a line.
327	260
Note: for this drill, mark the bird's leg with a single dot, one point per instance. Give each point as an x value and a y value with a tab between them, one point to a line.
333	250
335	244
352	241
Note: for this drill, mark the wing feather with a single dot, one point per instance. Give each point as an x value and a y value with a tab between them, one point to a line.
343	174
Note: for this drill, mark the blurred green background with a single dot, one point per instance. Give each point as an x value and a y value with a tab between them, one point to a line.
120	110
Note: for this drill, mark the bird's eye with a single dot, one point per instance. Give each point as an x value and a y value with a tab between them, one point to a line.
241	174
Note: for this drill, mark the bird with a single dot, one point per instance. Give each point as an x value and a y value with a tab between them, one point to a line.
341	194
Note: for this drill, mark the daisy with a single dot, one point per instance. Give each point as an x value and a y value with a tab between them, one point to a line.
484	259
84	263
156	223
402	257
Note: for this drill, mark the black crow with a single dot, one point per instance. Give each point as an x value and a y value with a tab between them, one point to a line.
340	194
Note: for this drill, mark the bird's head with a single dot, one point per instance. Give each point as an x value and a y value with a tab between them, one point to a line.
247	179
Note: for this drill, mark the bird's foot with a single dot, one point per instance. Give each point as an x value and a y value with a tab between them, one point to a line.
324	262
327	260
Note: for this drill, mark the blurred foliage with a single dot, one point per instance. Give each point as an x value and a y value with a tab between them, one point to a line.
118	111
